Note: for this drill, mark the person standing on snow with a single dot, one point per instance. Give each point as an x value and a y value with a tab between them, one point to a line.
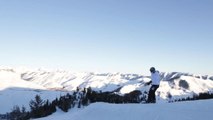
155	81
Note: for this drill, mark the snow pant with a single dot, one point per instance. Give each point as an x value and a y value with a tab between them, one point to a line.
151	95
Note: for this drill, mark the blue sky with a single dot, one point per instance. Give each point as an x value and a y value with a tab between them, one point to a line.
108	35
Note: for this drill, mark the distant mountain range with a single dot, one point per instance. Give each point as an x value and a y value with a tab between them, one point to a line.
19	86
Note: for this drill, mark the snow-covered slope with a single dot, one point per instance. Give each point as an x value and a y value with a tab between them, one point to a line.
16	91
19	86
193	110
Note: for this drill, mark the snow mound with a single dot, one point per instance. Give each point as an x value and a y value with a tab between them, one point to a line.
193	110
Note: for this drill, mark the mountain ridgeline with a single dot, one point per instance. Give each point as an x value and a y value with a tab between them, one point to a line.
69	81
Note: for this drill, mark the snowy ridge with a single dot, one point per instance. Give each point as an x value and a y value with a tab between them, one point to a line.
20	85
196	110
